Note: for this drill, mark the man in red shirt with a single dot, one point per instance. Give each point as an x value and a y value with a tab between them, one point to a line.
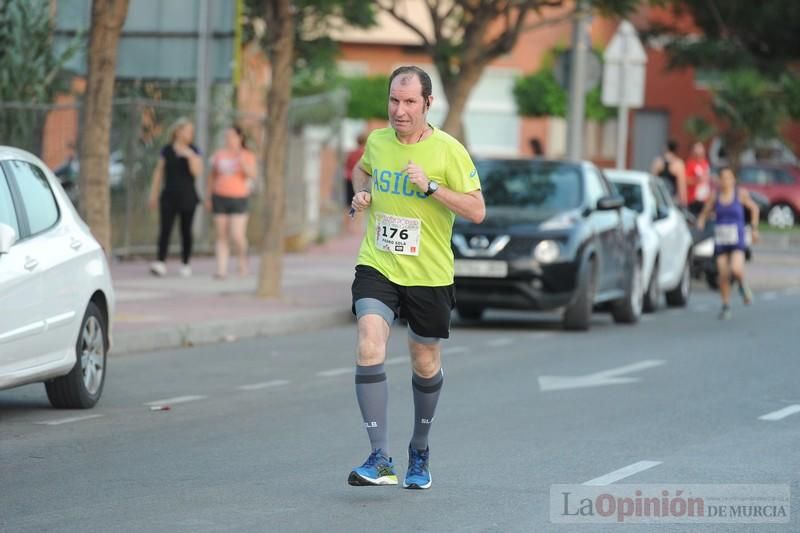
352	159
698	178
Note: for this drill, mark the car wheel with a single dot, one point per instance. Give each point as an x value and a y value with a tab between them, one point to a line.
679	296
652	298
468	312
781	216
627	310
82	387
578	314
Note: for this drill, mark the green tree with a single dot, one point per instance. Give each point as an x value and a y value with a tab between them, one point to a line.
737	34
540	95
467	35
31	71
750	109
314	69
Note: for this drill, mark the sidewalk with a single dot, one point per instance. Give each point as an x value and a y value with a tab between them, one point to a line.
154	313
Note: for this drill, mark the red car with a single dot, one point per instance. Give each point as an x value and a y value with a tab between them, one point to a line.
781	185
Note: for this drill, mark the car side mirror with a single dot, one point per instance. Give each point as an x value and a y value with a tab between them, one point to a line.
610	202
661	213
7	238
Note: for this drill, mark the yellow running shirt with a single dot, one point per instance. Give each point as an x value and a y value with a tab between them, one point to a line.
408	234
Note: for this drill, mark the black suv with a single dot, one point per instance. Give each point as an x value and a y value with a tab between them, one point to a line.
556	235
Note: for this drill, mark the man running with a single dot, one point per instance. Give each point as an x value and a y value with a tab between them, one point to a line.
414	179
729	235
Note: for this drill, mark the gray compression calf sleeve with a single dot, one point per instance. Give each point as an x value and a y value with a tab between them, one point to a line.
426	396
372	393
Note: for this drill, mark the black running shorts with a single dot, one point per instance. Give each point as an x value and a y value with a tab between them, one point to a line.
427	309
226	205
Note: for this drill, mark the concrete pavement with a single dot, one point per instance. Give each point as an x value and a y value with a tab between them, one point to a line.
173	311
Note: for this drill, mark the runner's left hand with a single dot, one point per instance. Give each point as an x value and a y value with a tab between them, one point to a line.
416	176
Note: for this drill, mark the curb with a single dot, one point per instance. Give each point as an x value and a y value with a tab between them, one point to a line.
187	335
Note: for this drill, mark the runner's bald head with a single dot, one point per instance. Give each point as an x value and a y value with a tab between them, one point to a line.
406	74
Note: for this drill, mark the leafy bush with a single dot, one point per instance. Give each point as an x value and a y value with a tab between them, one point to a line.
367	96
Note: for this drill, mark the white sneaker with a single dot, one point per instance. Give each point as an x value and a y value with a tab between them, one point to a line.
158	268
186	271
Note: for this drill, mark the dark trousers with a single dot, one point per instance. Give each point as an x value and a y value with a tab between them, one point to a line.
168	214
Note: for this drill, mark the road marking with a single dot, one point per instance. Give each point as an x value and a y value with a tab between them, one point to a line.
605	377
335	372
503	341
622	473
701	308
454	349
395	361
647	318
769	296
59	421
264	385
177	399
539	335
781	413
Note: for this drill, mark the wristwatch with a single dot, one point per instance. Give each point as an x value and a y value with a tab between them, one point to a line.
432	188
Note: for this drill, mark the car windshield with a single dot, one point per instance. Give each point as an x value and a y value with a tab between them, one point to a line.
531	185
632	194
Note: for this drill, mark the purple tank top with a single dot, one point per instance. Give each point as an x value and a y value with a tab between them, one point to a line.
729	226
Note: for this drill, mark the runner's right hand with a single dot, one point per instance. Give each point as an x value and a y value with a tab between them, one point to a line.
361	200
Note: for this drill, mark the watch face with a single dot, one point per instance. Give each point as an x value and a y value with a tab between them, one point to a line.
432	187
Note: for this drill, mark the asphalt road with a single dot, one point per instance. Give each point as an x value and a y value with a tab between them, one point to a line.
262	433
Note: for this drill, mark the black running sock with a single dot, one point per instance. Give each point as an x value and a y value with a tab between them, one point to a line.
372	392
426	396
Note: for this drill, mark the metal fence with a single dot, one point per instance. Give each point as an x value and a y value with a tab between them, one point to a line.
140	128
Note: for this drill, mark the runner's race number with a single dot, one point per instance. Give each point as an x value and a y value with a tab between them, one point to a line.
397	235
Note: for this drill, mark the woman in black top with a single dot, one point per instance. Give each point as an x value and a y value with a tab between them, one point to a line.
178	167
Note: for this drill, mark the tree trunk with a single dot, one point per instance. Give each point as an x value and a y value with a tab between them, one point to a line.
457	90
108	17
280	25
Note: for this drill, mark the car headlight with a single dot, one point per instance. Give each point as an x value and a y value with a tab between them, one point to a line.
546	251
704	248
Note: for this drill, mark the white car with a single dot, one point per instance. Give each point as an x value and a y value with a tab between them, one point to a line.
56	298
665	234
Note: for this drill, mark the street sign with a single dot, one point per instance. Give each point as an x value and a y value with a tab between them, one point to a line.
623	81
624	69
594	70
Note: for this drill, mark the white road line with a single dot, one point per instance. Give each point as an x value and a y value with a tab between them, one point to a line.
781	413
769	296
177	399
454	349
336	372
539	335
702	308
59	421
396	361
503	341
622	473
263	385
647	318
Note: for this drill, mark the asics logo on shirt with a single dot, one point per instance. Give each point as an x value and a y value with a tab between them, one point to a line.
391	182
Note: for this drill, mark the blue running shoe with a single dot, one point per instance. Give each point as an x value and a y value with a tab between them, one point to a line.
418	475
376	470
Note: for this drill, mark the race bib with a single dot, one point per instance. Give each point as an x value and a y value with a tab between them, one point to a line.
397	235
726	234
